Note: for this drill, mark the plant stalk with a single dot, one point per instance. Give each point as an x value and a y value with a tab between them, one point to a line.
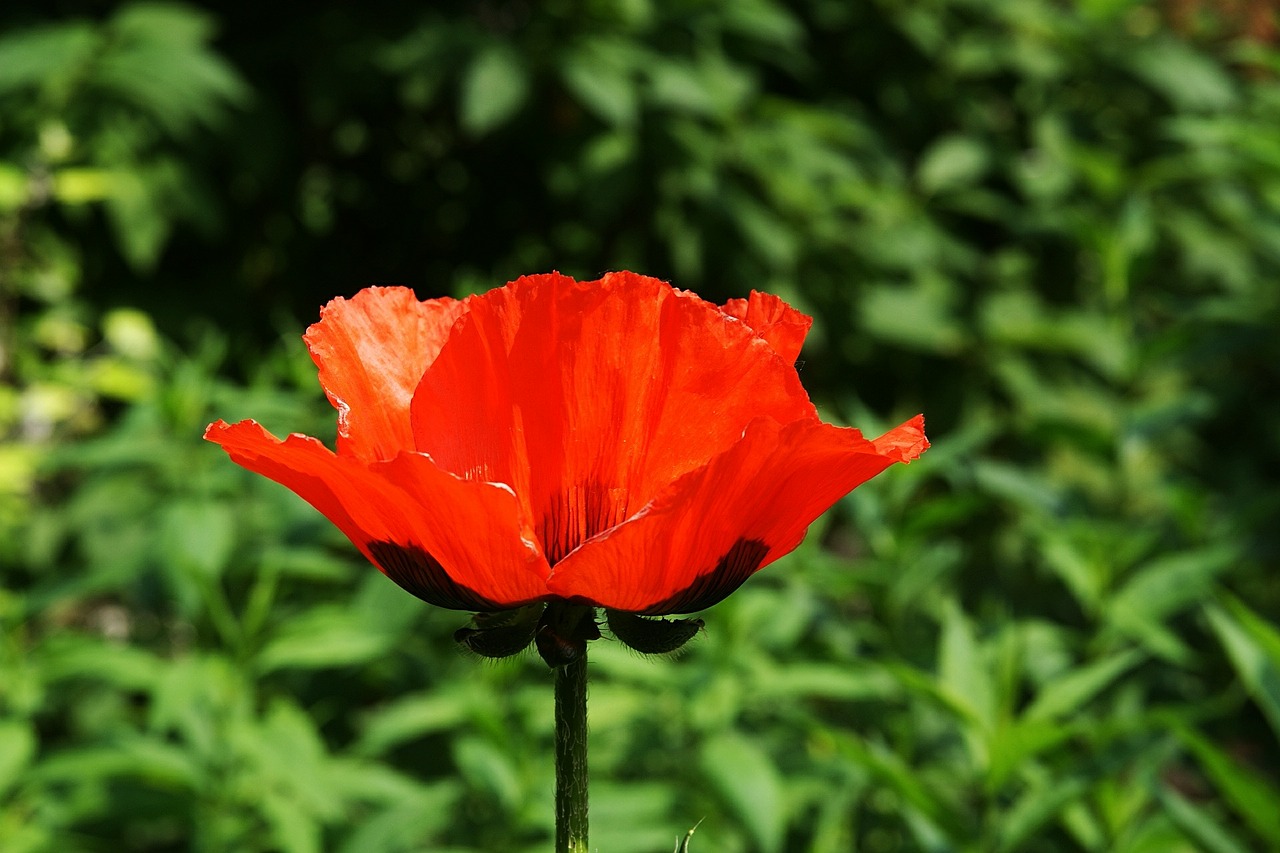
571	756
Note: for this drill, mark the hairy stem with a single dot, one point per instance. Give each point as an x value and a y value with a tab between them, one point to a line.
571	756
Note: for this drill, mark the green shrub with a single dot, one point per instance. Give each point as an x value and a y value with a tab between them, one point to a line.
1048	226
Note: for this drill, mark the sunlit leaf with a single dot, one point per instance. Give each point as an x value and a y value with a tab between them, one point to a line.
17	748
1067	693
493	89
951	162
323	639
49	55
962	668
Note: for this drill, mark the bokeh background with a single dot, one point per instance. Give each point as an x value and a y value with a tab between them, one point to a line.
1052	226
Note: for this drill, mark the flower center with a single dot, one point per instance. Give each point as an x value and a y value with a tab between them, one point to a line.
576	514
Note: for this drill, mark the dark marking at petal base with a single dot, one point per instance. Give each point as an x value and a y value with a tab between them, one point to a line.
574	515
739	563
421	574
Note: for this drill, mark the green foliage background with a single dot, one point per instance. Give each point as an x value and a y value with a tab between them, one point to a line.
1051	226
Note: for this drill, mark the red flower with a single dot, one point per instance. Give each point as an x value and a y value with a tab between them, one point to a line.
615	443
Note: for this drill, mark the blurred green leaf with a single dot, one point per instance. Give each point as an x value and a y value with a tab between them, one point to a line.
598	73
17	748
1251	795
1038	805
1162	588
1183	75
1201	826
50	55
950	163
494	87
200	536
490	769
323	638
409	824
412	717
159	764
1016	744
748	781
159	60
824	681
1067	693
962	668
92	658
1253	646
891	771
632	817
1048	226
917	317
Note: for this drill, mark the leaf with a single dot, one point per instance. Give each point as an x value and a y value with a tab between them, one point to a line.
1034	808
762	229
411	717
1081	574
1246	791
411	823
1169	584
709	87
124	667
1162	588
1012	746
765	21
199	535
292	758
494	87
682	844
14	188
159	60
747	780
830	681
597	75
1187	77
1199	824
918	316
159	764
81	185
951	162
1065	694
962	671
295	830
631	817
139	220
46	56
1253	647
890	770
322	638
17	748
490	769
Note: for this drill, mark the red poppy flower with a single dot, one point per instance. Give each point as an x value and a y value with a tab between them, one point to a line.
613	443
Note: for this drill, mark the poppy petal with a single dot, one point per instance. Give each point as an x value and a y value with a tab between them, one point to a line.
453	543
372	350
777	322
589	398
711	530
477	528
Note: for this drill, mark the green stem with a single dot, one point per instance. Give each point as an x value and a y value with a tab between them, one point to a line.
571	756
